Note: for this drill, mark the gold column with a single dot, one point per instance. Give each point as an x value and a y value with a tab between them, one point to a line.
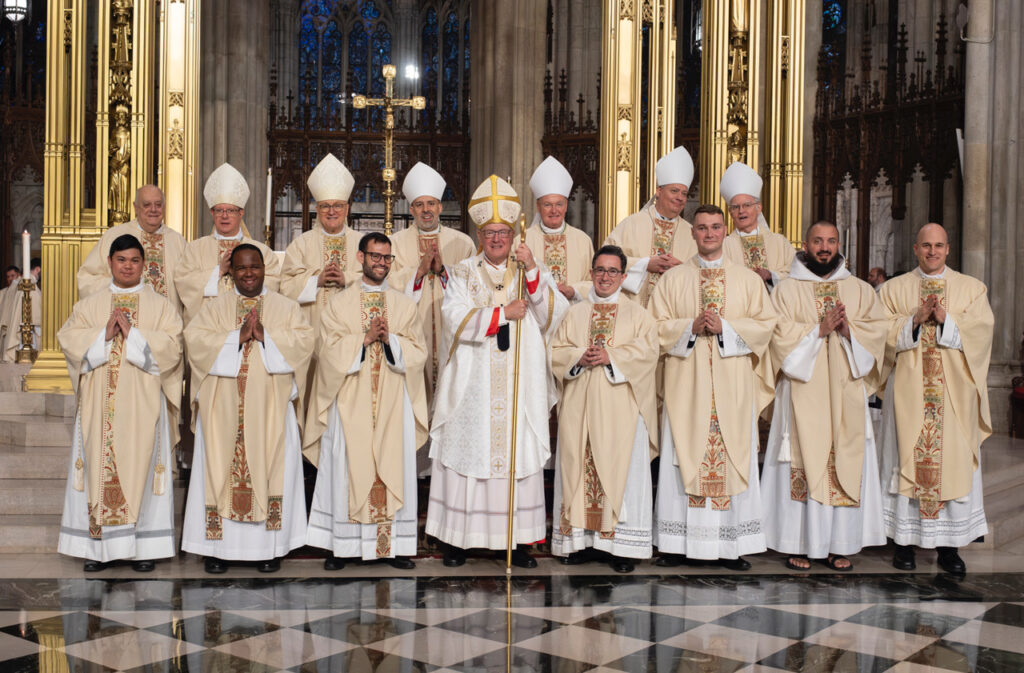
730	98
620	113
178	159
784	182
662	96
124	154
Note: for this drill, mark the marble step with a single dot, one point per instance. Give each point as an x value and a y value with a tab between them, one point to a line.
32	496
34	462
39	404
36	430
29	533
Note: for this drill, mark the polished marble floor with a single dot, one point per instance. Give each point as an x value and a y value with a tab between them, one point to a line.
53	617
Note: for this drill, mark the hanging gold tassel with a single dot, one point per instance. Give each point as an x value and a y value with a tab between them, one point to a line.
79	482
159	479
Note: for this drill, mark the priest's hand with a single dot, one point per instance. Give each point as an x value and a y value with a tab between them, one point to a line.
713	323
112	326
830	321
525	255
699	326
123	324
257	326
844	323
595	356
426	263
939	313
436	265
765	274
515	310
225	263
661	263
925	310
566	291
332	276
377	332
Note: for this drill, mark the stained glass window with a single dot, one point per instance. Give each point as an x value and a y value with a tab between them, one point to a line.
450	88
833	40
428	59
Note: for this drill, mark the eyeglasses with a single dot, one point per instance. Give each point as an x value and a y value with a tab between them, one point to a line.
221	212
601	271
496	234
331	206
742	206
379	257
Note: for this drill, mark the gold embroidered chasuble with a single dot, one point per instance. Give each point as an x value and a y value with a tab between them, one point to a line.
567	255
408	245
942	413
243	417
597	419
369	401
163	251
710	399
827	412
198	261
766	250
644	234
118	403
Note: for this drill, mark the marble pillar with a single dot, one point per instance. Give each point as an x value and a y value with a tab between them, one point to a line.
507	49
812	45
235	92
993	239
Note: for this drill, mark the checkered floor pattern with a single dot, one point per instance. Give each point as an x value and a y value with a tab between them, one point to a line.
559	624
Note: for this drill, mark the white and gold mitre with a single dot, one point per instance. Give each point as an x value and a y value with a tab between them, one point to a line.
226	185
738	179
330	180
551	177
675	168
494	202
422	180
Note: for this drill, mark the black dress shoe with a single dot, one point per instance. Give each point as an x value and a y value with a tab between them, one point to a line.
670	560
950	561
903	558
94	566
270	566
334	563
143	566
215	566
454	557
522	559
621	565
402	563
575	558
739	563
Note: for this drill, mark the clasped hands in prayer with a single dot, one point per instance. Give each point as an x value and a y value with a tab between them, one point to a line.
706	324
835	320
430	262
332	276
594	356
118	323
929	310
378	331
661	263
251	328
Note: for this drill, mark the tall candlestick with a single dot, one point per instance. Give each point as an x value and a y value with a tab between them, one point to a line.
26	251
270	203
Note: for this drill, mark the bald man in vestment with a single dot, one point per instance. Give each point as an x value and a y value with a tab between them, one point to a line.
935	413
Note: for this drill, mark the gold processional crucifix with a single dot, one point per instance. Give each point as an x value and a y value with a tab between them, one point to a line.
388	103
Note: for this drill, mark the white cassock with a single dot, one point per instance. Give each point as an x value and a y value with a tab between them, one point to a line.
470	434
329	523
707	533
809	527
242	541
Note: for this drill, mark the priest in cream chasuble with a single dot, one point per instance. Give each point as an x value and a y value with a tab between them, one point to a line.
657	238
367	416
162	245
935	413
471	433
604	355
203	273
714	324
565	251
752	243
424	253
123	348
248	350
820	479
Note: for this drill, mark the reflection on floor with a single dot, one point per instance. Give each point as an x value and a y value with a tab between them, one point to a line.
765	621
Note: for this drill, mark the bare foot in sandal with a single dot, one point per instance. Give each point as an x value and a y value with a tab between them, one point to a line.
798	563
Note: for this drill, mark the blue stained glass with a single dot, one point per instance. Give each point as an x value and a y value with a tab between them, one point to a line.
358	43
318	7
370	11
450	88
330	63
832	15
380	54
465	40
308	61
428	60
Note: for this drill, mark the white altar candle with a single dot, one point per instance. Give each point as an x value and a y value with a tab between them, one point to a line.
270	202
26	250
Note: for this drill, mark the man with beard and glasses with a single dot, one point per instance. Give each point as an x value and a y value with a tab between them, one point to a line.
821	492
935	413
249	350
604	354
714	324
367	416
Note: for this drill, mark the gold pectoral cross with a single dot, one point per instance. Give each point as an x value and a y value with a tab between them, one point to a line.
388	102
